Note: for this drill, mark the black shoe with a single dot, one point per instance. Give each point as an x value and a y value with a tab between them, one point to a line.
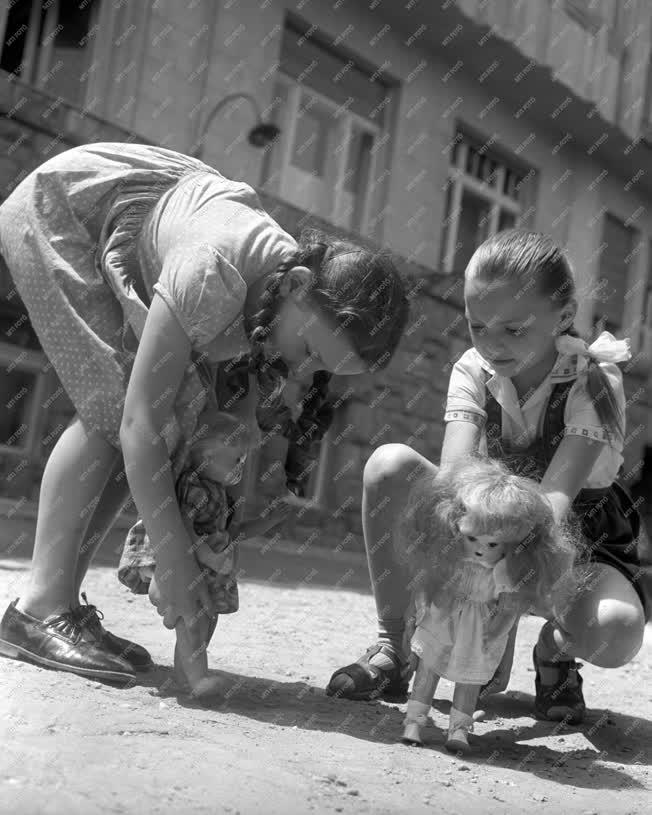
563	701
363	681
91	617
59	641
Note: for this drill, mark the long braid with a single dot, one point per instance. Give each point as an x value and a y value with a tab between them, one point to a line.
272	414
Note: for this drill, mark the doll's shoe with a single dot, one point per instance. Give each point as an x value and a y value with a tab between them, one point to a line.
411	733
459	727
363	681
90	616
59	641
563	701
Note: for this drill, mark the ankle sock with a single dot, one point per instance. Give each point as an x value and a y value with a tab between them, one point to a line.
390	635
551	653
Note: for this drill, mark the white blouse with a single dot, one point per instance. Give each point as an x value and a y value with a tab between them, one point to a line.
522	424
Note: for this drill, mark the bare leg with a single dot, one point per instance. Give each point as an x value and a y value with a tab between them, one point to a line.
388	477
113	500
418	707
461	717
73	481
604	626
500	680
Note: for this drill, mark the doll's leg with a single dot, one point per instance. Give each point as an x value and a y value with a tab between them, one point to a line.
388	476
461	717
191	662
603	626
418	707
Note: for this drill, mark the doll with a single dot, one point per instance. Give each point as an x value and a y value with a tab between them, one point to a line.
483	549
214	462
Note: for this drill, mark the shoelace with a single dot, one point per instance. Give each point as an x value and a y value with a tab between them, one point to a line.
89	615
67	623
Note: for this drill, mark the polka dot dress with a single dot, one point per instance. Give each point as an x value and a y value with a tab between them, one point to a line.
61	226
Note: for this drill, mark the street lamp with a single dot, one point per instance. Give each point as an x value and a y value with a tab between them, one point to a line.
260	135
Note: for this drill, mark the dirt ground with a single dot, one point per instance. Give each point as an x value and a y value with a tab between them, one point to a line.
276	743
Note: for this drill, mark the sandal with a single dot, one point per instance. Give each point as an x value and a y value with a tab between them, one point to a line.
563	701
363	682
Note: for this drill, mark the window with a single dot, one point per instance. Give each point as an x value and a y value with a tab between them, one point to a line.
331	113
49	43
484	195
614	273
587	13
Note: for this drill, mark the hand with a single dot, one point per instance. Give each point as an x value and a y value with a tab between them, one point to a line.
179	591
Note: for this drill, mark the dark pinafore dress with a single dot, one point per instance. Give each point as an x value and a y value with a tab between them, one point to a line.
609	521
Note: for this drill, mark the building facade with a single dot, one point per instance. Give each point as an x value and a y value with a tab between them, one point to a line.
420	127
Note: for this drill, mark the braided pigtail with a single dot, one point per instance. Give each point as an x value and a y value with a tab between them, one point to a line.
360	292
603	397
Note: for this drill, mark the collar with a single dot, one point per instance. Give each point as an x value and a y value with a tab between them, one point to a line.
565	369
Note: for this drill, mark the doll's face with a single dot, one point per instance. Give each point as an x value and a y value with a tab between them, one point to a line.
480	547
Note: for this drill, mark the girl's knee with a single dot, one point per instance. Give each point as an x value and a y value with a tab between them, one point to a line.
614	639
393	462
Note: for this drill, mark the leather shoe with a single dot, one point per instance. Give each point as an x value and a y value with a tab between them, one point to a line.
137	656
59	641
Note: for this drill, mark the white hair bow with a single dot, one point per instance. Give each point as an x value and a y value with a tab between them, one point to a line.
605	349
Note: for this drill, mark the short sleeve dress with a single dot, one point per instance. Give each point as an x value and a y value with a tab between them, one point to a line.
94	232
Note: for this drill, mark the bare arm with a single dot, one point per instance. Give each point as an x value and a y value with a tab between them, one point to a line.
568	471
460	439
162	356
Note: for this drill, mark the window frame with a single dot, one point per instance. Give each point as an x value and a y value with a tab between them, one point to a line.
458	180
37	59
286	144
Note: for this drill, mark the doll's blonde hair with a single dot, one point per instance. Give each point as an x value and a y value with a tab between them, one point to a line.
542	560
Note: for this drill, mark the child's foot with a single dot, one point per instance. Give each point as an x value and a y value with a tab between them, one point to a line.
459	727
91	617
558	688
379	672
60	641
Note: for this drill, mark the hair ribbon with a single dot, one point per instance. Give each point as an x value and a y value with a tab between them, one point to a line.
605	349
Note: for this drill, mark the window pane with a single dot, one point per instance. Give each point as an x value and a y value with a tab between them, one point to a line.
611	284
313	129
67	73
506	220
472	228
357	170
16	32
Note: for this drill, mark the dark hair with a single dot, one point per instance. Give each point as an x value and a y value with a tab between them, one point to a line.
536	260
361	293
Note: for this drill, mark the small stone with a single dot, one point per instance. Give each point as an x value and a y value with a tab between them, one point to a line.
163	705
447	783
340	783
464	768
352	792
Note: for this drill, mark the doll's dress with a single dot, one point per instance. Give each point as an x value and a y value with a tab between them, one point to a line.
204	505
462	635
